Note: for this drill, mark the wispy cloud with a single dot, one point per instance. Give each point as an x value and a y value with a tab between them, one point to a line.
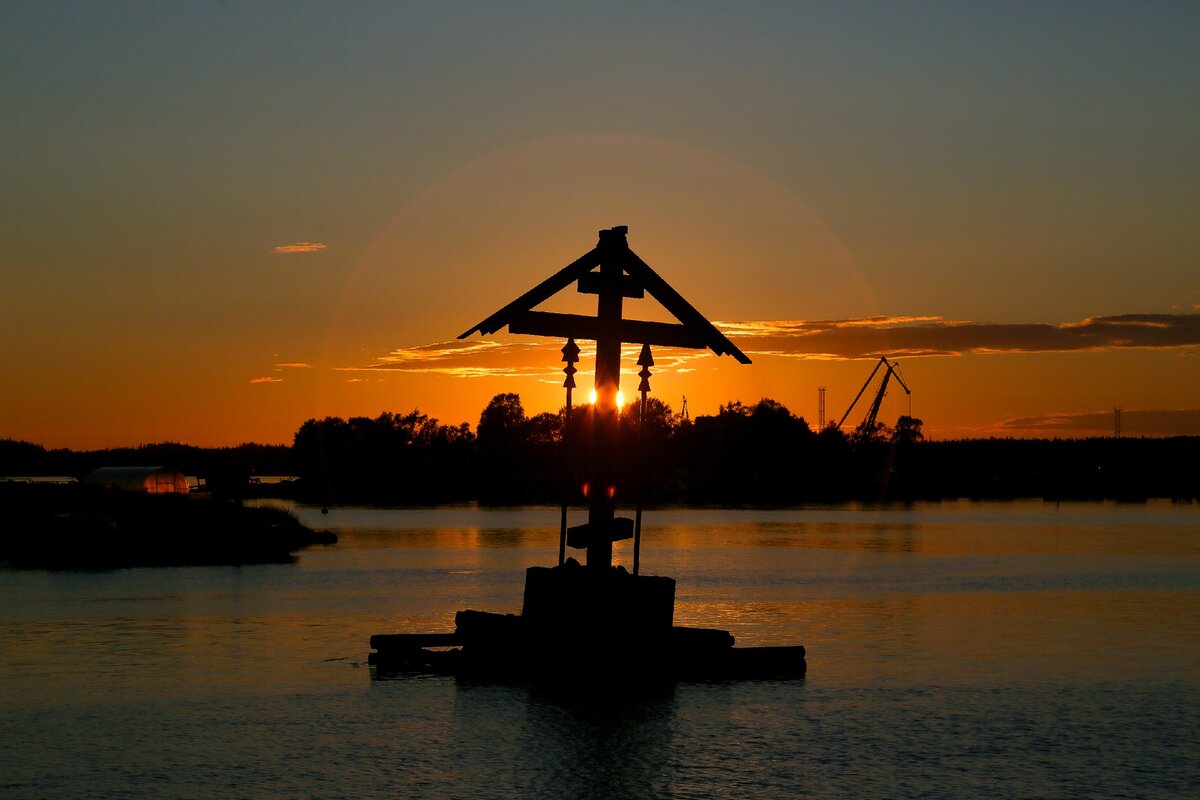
752	328
266	380
479	358
294	365
871	337
465	359
300	247
845	339
1134	422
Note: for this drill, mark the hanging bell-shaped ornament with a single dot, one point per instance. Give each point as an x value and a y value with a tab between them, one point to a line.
646	361
570	353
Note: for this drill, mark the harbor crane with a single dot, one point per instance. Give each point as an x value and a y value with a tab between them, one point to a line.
893	370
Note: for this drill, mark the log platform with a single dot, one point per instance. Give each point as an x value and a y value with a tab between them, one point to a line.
578	624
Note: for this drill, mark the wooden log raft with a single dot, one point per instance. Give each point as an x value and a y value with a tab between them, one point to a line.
578	624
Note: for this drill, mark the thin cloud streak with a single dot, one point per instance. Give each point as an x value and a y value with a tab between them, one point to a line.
837	340
299	247
464	359
294	365
871	337
482	358
266	380
1134	422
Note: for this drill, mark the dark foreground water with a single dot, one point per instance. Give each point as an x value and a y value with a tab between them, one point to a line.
1003	650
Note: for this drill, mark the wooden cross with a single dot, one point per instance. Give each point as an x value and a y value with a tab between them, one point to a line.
613	272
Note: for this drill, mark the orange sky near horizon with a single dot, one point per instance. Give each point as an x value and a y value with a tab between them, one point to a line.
219	225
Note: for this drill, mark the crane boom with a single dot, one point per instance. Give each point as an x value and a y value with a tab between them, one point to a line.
869	421
873	412
854	402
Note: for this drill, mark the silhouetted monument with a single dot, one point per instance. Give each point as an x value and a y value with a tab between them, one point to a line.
612	272
595	621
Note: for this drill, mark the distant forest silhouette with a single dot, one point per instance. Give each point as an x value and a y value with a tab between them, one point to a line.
759	454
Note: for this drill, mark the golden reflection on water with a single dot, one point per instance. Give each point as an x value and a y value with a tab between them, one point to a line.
950	651
934	539
976	637
992	598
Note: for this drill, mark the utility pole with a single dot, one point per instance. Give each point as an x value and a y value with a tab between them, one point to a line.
1117	422
820	408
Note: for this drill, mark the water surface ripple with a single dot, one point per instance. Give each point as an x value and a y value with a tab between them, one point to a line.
955	650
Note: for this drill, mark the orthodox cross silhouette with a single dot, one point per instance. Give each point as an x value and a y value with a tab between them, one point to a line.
583	627
613	272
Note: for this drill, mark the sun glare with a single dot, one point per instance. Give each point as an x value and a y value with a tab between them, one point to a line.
620	400
592	397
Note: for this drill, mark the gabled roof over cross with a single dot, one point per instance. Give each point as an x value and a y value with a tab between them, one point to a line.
637	278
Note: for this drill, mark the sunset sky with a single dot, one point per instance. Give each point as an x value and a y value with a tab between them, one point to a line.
220	219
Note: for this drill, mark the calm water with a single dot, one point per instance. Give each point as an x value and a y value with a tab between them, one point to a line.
1001	650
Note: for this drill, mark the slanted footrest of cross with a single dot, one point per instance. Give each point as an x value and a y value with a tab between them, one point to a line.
580	536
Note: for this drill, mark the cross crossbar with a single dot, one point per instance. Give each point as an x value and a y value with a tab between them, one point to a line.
665	334
693	330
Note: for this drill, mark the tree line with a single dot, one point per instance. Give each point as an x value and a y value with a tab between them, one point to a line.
760	454
757	454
